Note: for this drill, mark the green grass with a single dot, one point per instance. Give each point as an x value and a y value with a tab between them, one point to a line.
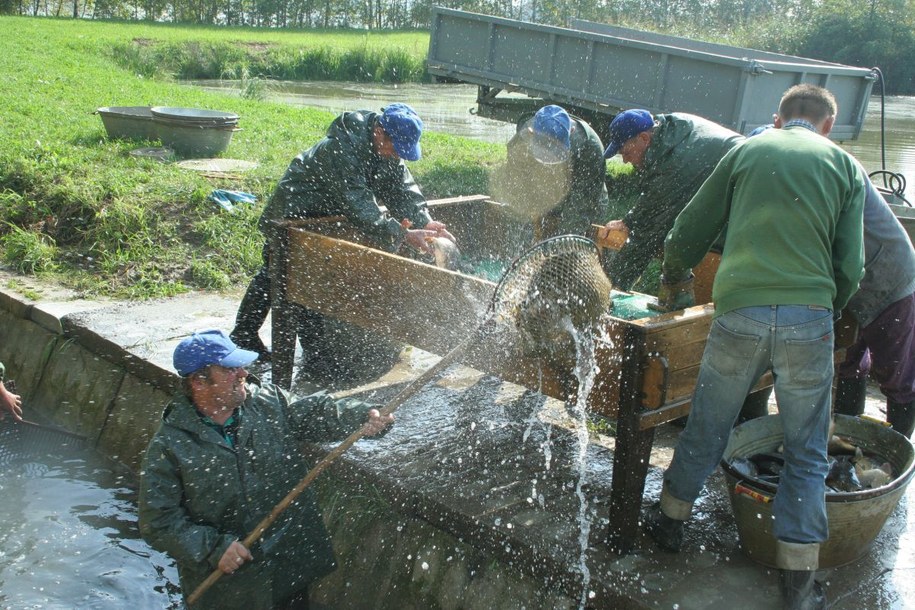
26	291
77	207
331	55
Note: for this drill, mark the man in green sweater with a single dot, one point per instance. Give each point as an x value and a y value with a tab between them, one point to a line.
793	203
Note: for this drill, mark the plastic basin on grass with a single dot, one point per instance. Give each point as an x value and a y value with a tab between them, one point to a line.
194	141
196	116
128	122
194	132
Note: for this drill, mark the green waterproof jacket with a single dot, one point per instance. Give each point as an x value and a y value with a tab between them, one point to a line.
198	494
683	152
342	175
584	198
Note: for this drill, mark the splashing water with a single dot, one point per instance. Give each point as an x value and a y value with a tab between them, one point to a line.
532	420
585	371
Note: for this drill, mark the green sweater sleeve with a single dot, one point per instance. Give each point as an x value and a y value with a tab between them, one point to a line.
848	246
699	224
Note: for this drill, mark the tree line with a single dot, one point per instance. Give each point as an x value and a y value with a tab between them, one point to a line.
863	33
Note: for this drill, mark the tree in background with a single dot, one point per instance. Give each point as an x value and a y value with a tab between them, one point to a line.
861	33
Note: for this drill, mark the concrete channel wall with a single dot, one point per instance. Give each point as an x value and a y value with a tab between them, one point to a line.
75	376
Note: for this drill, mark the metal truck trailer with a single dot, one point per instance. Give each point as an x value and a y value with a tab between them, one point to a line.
596	70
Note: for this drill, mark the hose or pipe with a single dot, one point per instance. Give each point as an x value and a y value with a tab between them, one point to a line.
882	119
892	181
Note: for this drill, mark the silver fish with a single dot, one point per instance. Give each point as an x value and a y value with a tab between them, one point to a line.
871	475
446	253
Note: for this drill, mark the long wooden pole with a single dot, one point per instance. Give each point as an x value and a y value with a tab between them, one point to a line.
387	409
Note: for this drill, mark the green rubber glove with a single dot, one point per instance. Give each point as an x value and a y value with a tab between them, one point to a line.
675	295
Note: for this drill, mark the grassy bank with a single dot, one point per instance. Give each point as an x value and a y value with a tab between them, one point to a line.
76	206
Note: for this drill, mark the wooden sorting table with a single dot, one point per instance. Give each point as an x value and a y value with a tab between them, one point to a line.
648	366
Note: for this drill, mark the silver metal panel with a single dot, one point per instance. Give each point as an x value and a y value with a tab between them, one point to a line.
607	68
688	43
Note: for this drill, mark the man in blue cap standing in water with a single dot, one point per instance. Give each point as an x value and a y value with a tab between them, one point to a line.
226	452
357	167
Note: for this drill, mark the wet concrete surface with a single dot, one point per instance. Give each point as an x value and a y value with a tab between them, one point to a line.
498	466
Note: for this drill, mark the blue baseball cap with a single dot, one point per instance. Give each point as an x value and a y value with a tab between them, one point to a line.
626	125
404	127
206	348
550	135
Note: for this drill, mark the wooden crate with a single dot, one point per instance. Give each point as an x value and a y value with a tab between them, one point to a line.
647	366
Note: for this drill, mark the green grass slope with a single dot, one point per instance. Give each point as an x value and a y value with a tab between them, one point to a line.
76	206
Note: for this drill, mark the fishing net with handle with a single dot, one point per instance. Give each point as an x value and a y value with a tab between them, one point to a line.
556	280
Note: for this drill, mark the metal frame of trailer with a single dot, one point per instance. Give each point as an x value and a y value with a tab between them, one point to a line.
596	70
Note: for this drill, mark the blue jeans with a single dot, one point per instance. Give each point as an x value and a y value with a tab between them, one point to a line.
796	343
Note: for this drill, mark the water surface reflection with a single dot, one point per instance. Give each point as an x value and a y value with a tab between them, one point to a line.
447	108
70	539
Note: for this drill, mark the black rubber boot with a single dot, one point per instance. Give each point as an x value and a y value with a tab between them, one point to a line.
850	395
252	313
756	404
666	532
800	591
901	415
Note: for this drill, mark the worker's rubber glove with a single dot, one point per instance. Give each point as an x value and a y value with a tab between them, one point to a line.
674	295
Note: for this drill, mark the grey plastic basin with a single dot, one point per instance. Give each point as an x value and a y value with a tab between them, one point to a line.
195	141
194	115
128	122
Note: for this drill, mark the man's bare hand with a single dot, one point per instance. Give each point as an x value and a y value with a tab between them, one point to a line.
234	557
613	235
10	403
417	238
441	230
377	423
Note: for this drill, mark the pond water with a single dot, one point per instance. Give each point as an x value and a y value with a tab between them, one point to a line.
449	109
70	537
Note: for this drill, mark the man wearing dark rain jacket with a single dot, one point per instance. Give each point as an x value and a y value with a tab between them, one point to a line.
884	308
558	158
673	155
225	454
357	167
